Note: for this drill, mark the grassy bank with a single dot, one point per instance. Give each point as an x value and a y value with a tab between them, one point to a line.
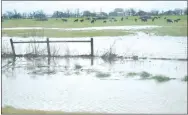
56	33
12	110
52	22
168	30
172	29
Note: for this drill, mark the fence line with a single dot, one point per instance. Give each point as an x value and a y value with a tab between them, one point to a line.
48	44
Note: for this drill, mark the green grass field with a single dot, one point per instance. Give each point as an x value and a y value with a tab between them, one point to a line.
173	29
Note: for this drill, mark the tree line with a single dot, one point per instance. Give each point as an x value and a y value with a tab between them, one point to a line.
66	14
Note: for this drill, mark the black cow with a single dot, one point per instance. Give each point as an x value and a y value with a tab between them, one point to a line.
87	18
92	21
169	21
81	20
76	20
153	19
177	20
144	19
104	21
122	19
64	20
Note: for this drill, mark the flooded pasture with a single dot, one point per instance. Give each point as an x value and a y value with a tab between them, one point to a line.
86	28
95	84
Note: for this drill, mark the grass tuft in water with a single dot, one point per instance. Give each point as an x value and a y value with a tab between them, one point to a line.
161	78
102	75
185	78
144	75
131	74
78	66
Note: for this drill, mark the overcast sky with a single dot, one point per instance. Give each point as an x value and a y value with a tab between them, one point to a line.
50	6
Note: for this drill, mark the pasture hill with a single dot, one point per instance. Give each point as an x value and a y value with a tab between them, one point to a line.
176	27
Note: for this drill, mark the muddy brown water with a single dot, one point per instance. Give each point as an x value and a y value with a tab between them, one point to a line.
76	85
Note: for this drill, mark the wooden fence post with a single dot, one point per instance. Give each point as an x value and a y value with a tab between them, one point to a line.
92	53
12	46
48	47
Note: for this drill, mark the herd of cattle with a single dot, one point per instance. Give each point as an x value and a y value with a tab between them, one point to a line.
143	19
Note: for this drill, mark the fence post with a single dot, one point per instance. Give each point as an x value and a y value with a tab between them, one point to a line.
12	46
92	53
48	47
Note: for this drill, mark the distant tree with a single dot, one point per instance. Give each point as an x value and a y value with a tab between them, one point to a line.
40	15
154	12
132	12
112	14
141	13
87	13
178	11
185	11
118	10
169	12
127	12
104	14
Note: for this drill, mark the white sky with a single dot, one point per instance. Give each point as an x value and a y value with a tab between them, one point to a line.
106	6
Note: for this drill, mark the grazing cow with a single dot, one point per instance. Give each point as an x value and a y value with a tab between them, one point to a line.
104	21
56	19
64	20
81	20
76	20
122	19
177	20
165	18
169	21
153	19
159	17
144	20
135	20
87	18
92	21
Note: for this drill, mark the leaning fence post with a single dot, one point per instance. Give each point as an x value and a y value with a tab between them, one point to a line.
92	53
48	47
12	46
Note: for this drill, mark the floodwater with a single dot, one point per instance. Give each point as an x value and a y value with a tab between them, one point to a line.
94	84
142	45
56	84
86	28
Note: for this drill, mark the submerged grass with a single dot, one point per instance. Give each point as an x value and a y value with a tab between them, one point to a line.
144	75
132	74
185	78
102	75
77	66
161	78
